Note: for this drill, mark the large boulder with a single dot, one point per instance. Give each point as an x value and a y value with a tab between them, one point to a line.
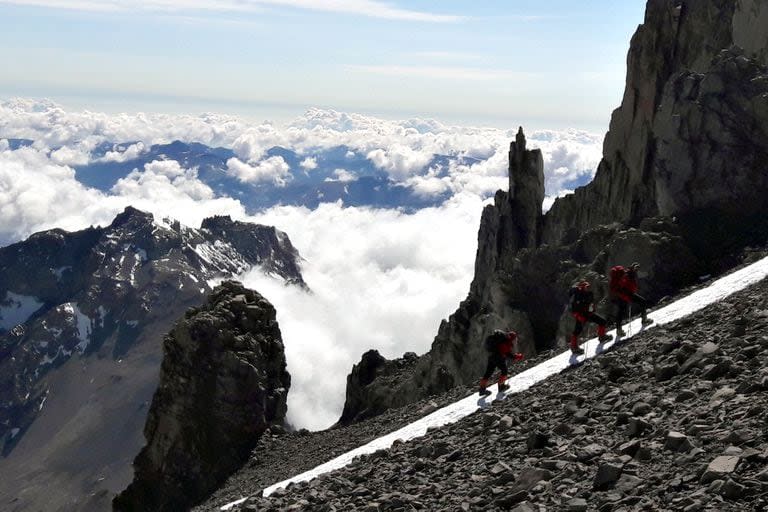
223	382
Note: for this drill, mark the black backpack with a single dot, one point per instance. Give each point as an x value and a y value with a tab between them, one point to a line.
493	341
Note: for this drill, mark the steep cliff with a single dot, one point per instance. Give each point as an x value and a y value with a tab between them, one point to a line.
680	189
223	382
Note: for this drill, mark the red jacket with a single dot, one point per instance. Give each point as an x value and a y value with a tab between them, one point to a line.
625	287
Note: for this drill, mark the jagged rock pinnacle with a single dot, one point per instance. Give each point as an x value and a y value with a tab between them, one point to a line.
526	189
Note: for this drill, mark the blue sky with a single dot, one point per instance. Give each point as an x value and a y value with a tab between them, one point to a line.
546	63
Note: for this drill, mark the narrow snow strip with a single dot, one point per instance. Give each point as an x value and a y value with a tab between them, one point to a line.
450	414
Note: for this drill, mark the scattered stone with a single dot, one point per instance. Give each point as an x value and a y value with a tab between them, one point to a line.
607	475
678	442
637	426
577	505
719	468
537	441
732	489
641	409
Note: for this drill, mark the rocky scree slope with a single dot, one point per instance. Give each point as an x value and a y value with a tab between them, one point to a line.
681	189
81	322
223	382
281	454
673	419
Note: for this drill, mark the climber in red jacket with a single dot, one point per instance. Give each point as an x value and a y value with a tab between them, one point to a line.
623	291
500	345
583	311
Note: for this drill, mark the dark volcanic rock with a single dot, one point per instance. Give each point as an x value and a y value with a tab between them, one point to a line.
223	383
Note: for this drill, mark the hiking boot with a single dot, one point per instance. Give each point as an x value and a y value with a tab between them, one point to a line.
577	351
604	338
484	392
646	321
503	387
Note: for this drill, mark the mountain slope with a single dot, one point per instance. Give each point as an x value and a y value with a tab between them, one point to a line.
80	328
673	418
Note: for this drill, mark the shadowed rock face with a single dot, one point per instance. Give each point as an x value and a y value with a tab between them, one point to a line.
223	382
681	187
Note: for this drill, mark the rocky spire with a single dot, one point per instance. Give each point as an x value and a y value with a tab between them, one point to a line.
223	382
526	189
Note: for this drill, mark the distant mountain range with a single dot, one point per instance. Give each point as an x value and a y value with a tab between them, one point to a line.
341	173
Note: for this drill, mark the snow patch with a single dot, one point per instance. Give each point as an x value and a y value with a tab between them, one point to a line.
697	300
83	323
16	309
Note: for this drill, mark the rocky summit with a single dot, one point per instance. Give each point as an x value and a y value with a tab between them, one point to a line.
82	316
223	382
672	419
681	189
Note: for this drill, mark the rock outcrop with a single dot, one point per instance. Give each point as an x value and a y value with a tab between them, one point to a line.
691	129
223	382
82	316
680	189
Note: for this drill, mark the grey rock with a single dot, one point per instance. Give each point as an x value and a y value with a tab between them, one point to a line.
577	505
720	468
607	475
223	382
677	442
732	489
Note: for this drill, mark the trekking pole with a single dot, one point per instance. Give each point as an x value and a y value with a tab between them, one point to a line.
629	323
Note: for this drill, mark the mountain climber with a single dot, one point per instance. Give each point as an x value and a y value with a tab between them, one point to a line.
623	291
583	311
500	346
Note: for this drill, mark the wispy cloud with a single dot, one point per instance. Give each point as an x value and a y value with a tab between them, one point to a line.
443	72
368	8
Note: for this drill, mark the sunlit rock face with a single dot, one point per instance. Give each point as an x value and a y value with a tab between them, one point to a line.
223	382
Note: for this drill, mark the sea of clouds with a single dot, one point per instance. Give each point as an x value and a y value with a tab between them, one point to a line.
380	278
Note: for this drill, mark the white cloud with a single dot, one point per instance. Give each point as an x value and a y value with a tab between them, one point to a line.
309	163
399	161
342	175
380	279
70	156
274	169
124	154
368	8
37	194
